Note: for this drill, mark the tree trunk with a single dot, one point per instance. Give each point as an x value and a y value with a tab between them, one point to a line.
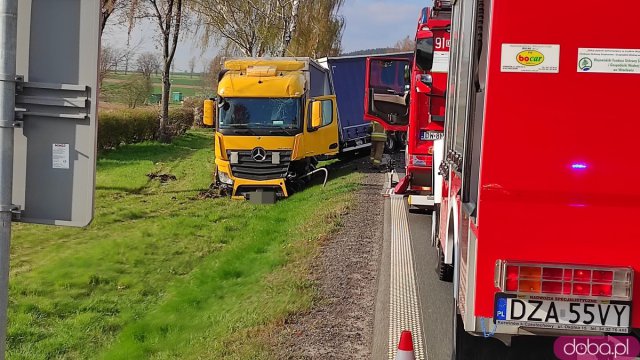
291	28
164	116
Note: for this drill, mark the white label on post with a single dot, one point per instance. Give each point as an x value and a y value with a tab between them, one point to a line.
530	58
60	156
610	61
440	62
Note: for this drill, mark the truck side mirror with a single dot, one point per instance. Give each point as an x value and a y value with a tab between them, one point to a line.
321	114
316	114
426	79
208	112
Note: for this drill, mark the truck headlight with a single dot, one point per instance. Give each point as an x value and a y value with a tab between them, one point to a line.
224	178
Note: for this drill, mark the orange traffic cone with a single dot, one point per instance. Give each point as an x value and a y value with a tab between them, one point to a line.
405	347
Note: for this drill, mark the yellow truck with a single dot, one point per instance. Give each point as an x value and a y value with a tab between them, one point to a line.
273	118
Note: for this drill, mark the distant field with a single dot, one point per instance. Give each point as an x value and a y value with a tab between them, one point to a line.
186	84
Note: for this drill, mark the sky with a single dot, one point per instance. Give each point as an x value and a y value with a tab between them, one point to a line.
369	24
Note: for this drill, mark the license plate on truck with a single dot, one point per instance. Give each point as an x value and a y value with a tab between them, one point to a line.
431	135
563	313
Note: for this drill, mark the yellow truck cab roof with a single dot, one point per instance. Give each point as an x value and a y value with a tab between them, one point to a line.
264	77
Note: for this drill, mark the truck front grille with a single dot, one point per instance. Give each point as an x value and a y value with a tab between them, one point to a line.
248	168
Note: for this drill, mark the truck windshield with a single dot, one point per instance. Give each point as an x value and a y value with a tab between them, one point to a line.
279	113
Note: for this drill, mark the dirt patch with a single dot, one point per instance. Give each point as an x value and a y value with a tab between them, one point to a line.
163	178
340	324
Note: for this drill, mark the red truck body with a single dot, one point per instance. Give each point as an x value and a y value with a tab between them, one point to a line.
427	107
423	82
539	203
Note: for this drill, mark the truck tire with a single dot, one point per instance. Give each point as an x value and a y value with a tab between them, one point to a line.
445	271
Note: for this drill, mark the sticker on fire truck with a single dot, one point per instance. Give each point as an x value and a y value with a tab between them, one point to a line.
610	61
440	62
530	58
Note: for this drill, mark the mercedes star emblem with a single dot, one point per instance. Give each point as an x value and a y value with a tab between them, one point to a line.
259	154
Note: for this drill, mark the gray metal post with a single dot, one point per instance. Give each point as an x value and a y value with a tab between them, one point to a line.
8	39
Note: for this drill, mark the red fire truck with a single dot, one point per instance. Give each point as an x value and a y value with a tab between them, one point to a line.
537	222
401	93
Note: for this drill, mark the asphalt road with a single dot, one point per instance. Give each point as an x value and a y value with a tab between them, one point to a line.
434	295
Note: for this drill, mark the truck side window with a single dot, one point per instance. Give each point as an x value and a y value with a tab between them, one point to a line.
327	112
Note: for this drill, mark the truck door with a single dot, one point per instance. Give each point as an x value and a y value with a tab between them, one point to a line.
321	128
387	88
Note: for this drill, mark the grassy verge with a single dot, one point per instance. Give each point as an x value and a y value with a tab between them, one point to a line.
161	274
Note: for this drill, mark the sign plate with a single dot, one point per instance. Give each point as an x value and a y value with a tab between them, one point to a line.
431	135
528	58
610	61
55	149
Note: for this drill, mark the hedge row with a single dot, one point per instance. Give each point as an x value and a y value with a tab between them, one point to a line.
118	127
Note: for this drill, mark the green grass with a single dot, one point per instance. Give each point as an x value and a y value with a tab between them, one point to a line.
160	274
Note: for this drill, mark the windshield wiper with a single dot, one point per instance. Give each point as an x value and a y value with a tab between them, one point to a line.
280	131
241	129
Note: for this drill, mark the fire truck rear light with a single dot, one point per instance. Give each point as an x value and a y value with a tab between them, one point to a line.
552	287
531	272
621	290
581	289
602	276
601	290
530	286
552	274
581	275
512	285
570	280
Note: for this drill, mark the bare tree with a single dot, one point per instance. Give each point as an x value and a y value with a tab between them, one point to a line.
107	56
263	27
128	57
169	16
136	91
148	62
406	44
192	65
107	7
290	27
251	25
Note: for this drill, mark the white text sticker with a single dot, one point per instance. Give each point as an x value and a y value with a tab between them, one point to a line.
530	58
60	156
440	62
616	61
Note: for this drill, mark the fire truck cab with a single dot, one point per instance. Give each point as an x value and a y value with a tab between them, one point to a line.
537	223
420	107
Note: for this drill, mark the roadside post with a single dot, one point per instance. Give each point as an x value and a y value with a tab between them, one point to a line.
8	39
49	53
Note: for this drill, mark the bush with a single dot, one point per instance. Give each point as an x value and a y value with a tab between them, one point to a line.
118	127
180	120
197	105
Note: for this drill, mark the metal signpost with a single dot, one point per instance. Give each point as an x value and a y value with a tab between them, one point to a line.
48	118
8	39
